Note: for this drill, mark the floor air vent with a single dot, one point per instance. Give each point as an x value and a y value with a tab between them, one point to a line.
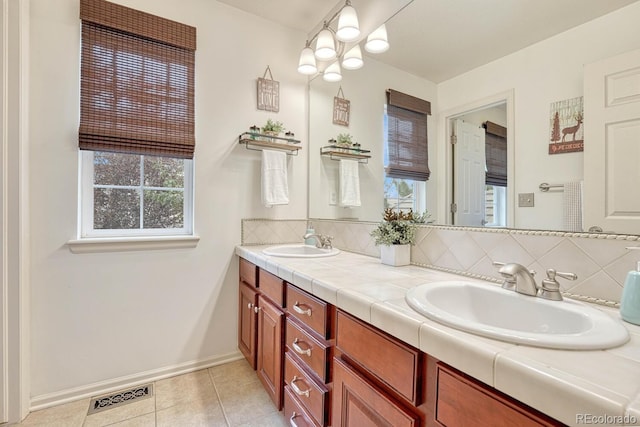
114	400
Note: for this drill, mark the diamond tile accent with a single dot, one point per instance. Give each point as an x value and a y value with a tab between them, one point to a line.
600	261
272	231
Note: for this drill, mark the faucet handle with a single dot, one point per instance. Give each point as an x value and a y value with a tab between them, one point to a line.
569	276
326	241
550	288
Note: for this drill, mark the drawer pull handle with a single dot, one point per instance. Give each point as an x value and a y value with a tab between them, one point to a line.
292	420
249	306
300	310
256	309
299	349
296	389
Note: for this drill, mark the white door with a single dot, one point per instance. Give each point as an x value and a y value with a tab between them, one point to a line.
469	174
612	144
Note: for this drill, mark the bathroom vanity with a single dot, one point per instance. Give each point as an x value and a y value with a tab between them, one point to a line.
336	344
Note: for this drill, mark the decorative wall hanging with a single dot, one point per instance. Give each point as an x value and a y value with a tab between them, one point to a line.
341	109
268	92
567	134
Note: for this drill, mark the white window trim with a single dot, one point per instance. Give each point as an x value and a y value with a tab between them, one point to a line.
90	240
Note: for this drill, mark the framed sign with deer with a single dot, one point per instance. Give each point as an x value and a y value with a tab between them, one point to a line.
566	129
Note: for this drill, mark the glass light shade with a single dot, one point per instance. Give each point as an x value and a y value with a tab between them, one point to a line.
352	60
325	46
377	41
348	27
307	63
332	73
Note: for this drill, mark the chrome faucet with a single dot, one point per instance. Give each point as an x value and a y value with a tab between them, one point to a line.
323	242
518	278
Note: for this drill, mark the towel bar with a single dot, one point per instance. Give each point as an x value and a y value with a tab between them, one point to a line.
545	187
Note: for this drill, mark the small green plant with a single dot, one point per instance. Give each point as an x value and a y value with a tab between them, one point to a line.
273	127
398	228
344	139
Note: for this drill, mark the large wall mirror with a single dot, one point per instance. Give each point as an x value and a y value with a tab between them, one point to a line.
515	92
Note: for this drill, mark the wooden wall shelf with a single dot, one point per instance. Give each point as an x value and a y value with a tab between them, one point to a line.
335	152
258	142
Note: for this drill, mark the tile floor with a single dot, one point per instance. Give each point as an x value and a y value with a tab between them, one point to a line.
224	395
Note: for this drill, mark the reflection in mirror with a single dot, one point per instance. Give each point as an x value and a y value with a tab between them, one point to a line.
536	77
366	90
479	145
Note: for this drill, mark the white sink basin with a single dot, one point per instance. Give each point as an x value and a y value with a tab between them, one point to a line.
299	251
505	315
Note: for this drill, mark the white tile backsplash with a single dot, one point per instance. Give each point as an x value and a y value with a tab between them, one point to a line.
600	261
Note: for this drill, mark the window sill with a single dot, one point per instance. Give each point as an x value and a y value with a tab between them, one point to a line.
123	244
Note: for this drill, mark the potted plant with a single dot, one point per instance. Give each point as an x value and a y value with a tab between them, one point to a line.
395	235
272	128
344	140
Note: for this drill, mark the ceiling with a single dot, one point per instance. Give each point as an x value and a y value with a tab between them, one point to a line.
440	39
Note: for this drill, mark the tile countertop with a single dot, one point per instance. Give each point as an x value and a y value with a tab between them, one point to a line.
560	383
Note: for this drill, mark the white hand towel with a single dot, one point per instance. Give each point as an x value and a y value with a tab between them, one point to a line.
572	206
275	188
349	183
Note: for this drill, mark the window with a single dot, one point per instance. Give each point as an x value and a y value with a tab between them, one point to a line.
496	175
405	152
130	194
137	122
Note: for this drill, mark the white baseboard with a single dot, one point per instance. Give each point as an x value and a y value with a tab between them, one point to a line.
108	386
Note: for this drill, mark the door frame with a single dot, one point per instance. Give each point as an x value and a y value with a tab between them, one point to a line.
444	130
14	215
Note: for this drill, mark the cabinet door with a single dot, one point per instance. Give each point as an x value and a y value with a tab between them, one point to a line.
462	401
247	322
270	348
358	403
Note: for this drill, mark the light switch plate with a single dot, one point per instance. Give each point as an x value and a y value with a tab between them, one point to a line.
525	200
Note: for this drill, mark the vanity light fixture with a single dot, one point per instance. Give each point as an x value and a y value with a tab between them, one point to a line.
352	60
325	45
330	44
348	27
307	63
377	42
332	73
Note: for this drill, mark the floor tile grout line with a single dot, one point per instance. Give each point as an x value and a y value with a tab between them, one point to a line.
215	388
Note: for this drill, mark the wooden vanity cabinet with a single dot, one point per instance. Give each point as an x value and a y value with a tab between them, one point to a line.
458	400
377	378
328	368
248	322
247	315
309	349
270	335
261	326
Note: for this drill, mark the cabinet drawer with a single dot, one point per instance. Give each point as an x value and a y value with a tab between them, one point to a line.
463	402
311	311
357	402
271	286
313	396
295	412
311	351
373	349
248	272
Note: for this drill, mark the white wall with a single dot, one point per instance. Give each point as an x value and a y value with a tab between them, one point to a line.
543	73
366	90
100	317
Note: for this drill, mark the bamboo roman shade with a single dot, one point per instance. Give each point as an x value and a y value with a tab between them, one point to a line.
496	154
407	144
137	82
